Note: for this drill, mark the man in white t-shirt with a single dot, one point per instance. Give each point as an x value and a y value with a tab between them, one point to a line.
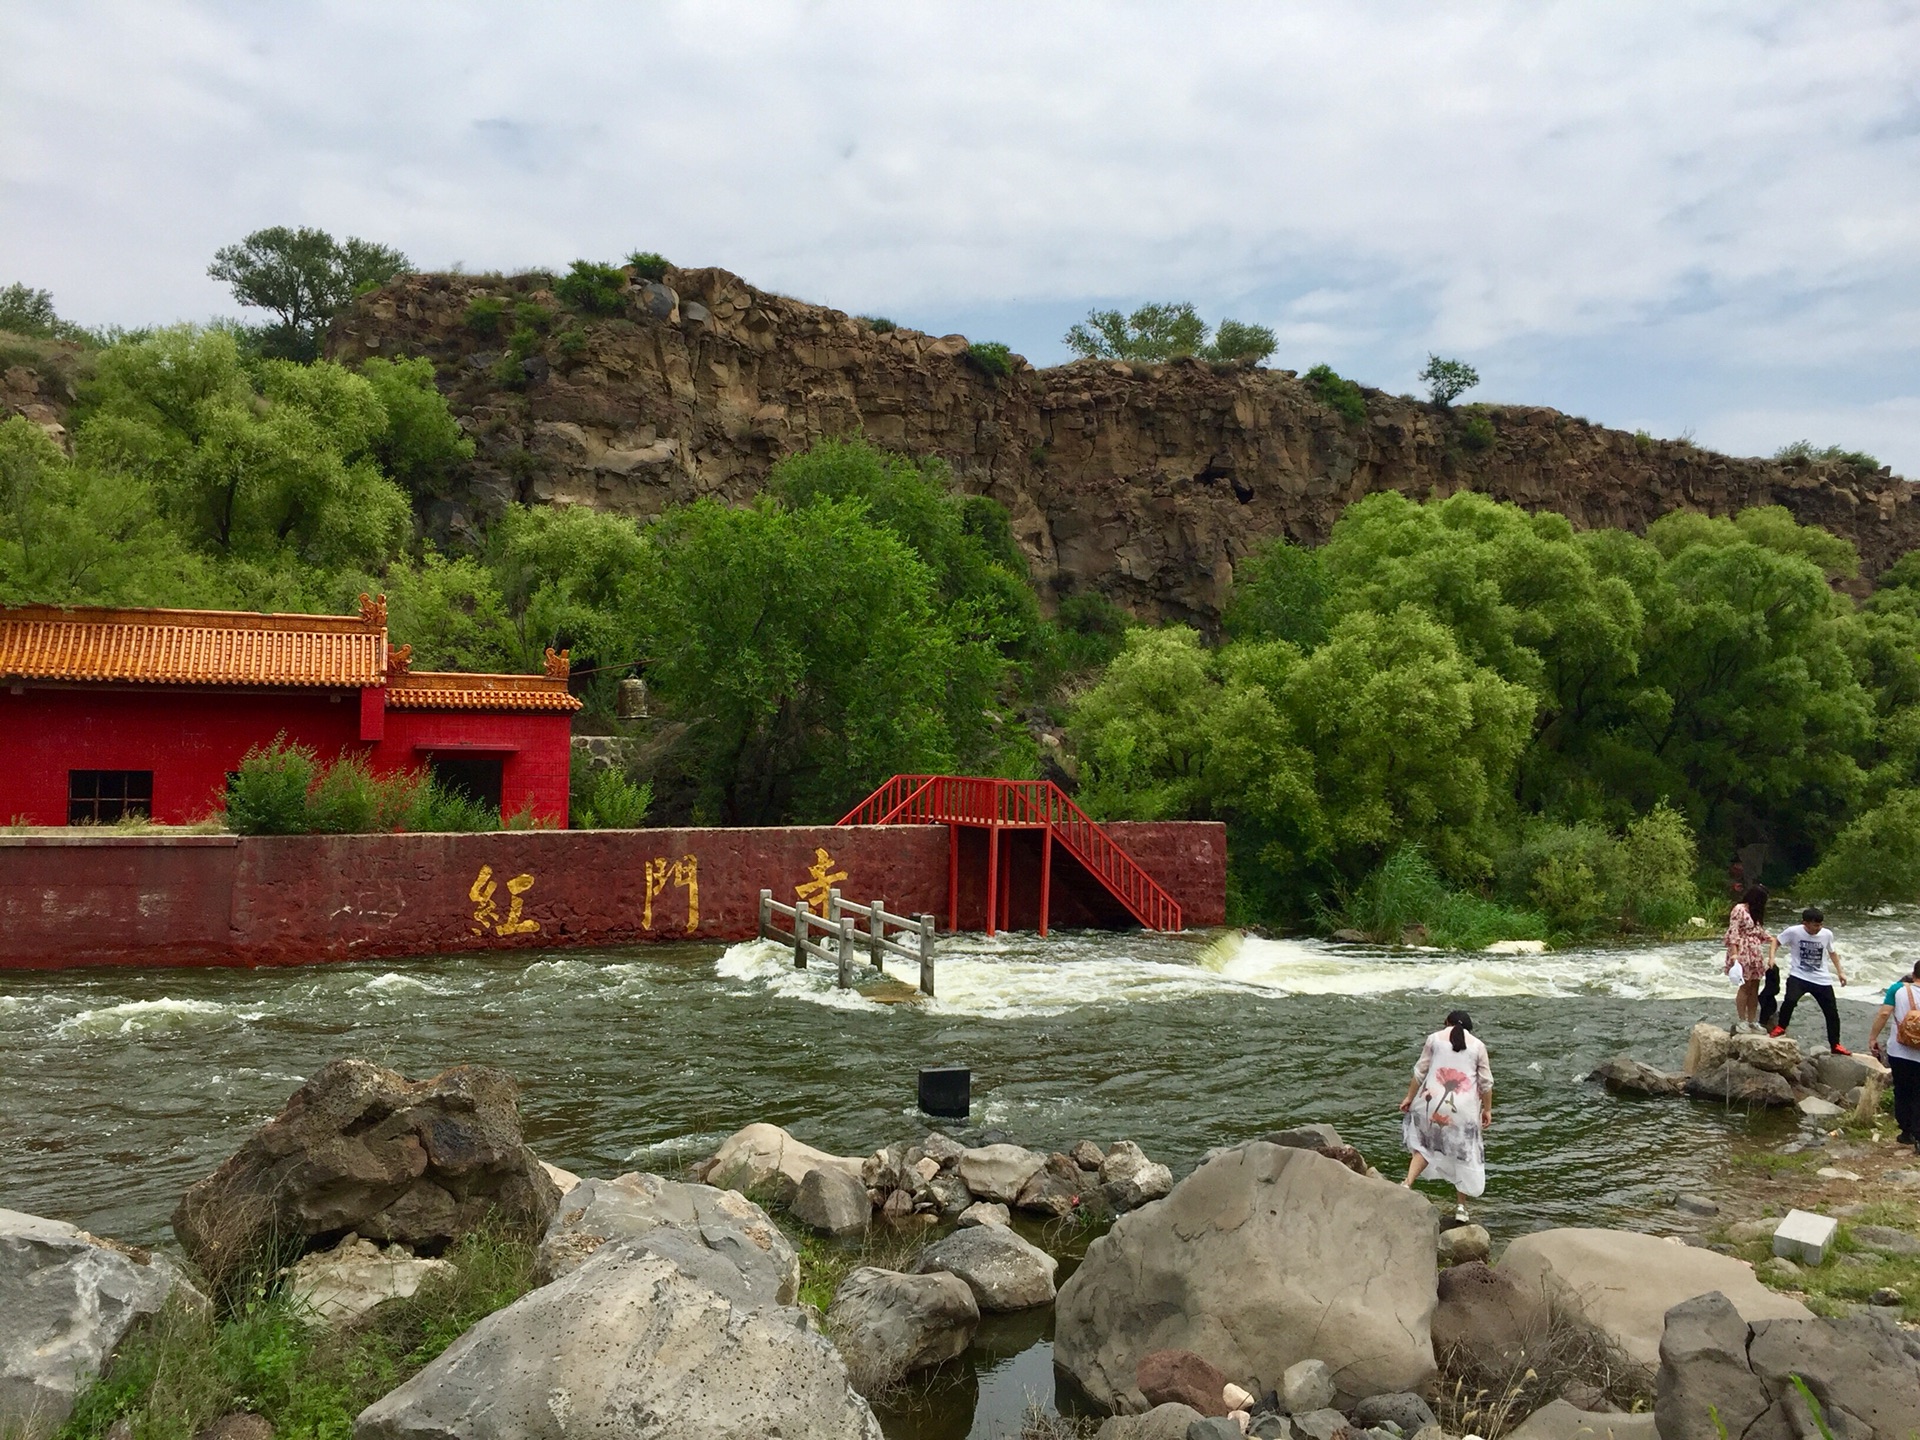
1812	967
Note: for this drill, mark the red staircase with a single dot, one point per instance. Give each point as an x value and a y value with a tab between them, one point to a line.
958	801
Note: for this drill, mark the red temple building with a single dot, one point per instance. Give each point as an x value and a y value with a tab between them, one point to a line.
107	713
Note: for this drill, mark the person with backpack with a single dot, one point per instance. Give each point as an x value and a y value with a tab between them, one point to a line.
1812	966
1448	1107
1901	1051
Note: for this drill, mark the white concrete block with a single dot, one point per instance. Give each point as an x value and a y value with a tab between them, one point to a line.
1805	1237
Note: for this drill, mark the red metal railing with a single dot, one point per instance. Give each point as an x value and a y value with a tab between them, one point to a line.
1022	805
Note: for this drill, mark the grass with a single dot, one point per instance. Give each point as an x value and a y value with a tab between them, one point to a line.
825	1262
992	358
187	1369
1473	1398
1833	1287
1775	1164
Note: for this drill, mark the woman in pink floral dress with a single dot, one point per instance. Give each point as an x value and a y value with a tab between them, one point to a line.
1448	1107
1750	946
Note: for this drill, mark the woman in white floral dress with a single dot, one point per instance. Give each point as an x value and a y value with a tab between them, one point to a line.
1449	1107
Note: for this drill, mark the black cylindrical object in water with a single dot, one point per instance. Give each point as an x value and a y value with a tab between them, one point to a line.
947	1091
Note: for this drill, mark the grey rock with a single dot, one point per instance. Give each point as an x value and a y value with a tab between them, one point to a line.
1213	1427
949	1194
760	1156
1886	1295
537	368
1838	1073
1162	1422
1130	1180
718	1237
1814	1108
1055	1190
1313	1136
1561	1421
692	312
1486	1316
355	1276
66	1301
1307	1385
1406	1411
1745	1232
999	1172
1086	1155
1735	1083
1251	1262
985	1212
658	300
364	1149
1623	1075
1695	1205
1462	1244
1321	1424
628	1345
1778	1055
889	1325
1271	1427
1004	1271
943	1148
1885	1239
832	1202
1350	936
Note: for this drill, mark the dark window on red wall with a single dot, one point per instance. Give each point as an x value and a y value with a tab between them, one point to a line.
100	797
477	780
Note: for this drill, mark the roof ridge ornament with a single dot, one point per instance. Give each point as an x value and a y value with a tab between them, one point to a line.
559	667
399	660
373	611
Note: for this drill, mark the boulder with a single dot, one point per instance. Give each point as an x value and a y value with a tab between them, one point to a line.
628	1345
1562	1421
984	1212
1734	1083
718	1237
1409	1412
1864	1371
1086	1155
1162	1422
1325	1424
1314	1136
1054	1189
1814	1108
949	1194
1003	1271
1623	1075
357	1275
1461	1244
1625	1283
361	1148
1776	1054
1707	1047
1307	1386
759	1155
563	1180
1263	1257
66	1300
1485	1316
943	1149
889	1325
1182	1377
999	1172
1885	1240
1838	1073
832	1202
1129	1179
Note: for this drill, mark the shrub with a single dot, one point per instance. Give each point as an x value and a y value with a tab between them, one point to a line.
1583	877
1406	891
350	800
592	287
992	357
486	314
571	343
879	324
439	810
1642	441
1874	860
532	315
648	265
1237	340
267	795
1659	861
1448	380
605	799
1855	460
1478	433
1337	393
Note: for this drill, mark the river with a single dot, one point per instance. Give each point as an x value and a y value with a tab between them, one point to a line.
122	1087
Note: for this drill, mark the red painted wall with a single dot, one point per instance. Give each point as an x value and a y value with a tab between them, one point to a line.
89	900
191	739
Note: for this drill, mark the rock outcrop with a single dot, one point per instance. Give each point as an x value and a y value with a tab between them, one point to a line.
1624	1283
1263	1257
66	1300
629	1345
1146	483
363	1149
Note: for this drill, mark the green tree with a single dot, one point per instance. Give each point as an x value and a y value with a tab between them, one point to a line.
305	277
1238	340
421	444
592	287
29	312
1448	380
1280	592
1165	332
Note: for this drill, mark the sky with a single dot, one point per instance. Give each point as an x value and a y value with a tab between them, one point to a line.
1688	218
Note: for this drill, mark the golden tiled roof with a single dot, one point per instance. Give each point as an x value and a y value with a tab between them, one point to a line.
456	690
193	647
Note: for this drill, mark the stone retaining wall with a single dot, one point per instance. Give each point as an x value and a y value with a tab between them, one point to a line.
68	901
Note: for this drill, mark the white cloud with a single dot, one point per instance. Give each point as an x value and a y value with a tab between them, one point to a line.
1729	192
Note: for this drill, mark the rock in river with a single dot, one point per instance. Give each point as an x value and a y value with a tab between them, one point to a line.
1130	1179
1623	1075
1736	1083
832	1202
999	1172
66	1300
889	1325
1263	1257
628	1346
719	1237
360	1148
1003	1270
760	1154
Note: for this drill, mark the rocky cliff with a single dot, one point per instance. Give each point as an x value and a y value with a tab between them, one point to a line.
1146	483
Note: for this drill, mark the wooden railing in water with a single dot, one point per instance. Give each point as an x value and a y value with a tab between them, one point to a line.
847	936
996	805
